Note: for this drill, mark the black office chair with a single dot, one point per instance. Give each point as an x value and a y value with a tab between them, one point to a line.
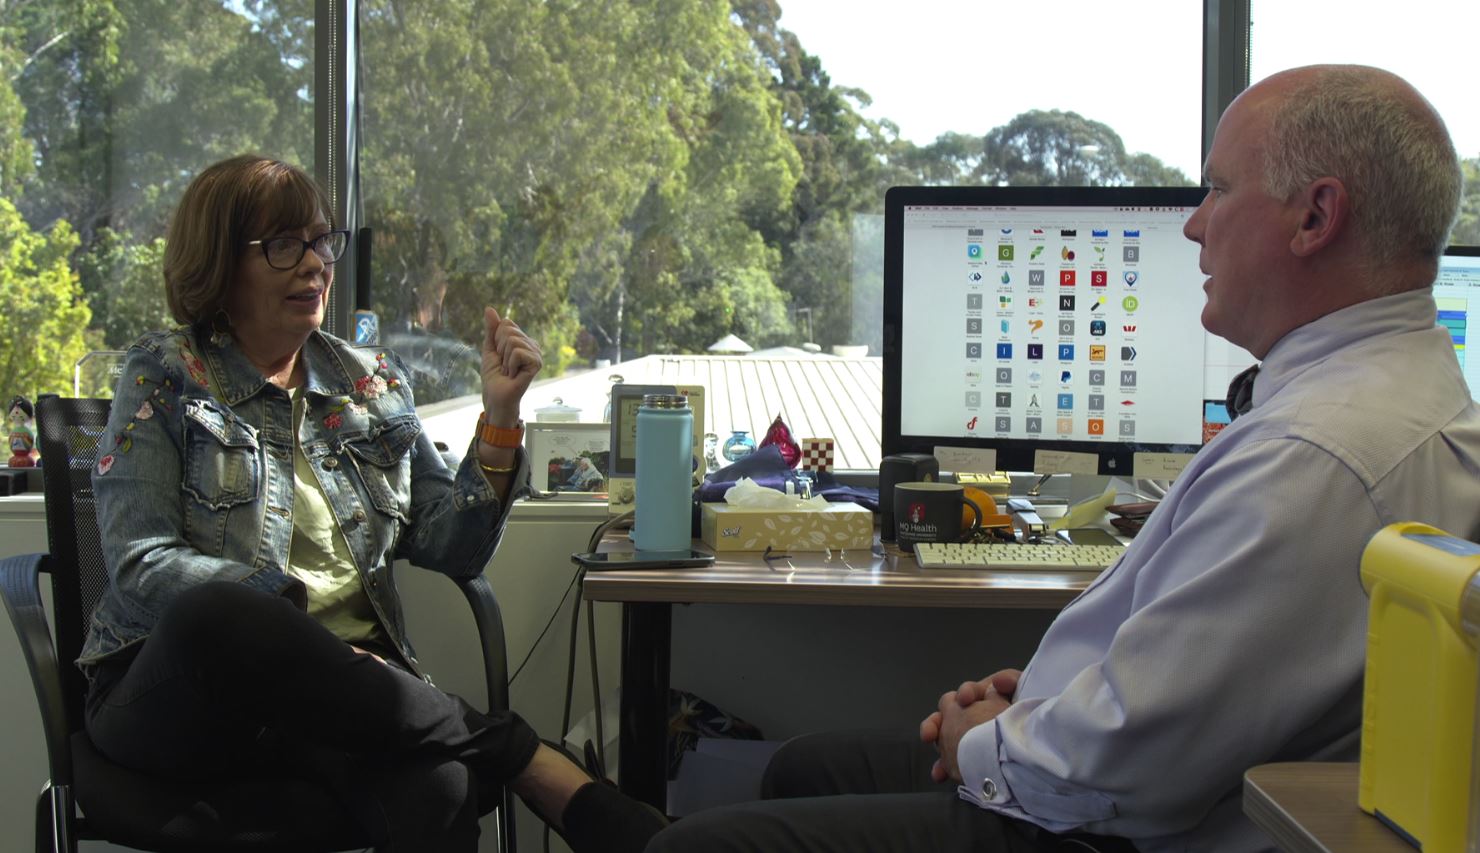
118	804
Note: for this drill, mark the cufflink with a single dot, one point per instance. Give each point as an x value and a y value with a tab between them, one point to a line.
989	788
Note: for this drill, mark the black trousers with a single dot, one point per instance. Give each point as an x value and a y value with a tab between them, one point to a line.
233	681
867	792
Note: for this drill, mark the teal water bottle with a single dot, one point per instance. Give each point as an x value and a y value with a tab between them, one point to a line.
665	459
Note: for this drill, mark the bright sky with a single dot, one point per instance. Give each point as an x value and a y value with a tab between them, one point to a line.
972	65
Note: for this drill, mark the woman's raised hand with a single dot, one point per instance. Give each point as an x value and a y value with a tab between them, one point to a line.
511	360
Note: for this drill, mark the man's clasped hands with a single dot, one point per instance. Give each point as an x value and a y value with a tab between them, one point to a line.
961	710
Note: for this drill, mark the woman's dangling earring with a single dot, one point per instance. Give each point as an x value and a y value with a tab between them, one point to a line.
220	328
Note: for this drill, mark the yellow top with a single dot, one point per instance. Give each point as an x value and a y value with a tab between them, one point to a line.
320	557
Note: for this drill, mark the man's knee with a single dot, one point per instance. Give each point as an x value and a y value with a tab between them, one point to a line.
718	830
795	770
850	762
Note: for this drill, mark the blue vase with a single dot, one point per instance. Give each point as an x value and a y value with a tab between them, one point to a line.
738	446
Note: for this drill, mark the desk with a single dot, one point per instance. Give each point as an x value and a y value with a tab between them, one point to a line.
1310	807
860	578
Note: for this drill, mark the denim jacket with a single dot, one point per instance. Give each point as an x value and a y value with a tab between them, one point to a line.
198	483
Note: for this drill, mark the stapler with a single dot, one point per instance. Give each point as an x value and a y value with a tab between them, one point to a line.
1025	520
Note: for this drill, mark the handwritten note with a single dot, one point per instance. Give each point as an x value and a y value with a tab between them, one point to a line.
1063	462
1160	466
966	460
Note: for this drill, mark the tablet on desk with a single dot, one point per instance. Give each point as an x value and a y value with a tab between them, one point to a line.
600	561
1088	536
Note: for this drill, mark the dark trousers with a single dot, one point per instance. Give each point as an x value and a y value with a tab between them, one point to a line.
234	681
862	793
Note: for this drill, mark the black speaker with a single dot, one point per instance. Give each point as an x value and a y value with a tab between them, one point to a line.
901	468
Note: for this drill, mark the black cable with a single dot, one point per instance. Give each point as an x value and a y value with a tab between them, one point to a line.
570	665
602	528
546	629
570	675
590	546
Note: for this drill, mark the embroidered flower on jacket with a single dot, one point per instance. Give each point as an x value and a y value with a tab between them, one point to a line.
123	442
193	364
370	387
382	366
105	464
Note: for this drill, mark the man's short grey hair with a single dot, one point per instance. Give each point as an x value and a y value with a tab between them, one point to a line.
1390	150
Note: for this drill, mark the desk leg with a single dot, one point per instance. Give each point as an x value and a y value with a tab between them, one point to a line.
647	631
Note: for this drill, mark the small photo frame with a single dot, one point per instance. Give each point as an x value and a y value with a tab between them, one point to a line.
569	459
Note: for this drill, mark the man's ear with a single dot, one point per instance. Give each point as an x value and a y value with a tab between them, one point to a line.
1324	209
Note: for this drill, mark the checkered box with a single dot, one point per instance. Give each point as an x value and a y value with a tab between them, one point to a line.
817	454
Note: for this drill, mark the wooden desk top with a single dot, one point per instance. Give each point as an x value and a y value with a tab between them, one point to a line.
884	577
1310	807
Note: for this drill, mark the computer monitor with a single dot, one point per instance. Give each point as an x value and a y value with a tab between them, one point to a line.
1457	296
1056	326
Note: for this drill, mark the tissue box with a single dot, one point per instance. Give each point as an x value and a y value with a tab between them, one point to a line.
840	526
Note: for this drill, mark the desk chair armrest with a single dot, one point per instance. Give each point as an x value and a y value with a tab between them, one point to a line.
20	586
490	623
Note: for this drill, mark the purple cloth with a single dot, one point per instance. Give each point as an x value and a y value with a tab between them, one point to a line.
767	468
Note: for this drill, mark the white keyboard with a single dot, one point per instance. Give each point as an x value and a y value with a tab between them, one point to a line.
1005	556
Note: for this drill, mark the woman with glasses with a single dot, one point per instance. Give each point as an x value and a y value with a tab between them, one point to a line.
257	480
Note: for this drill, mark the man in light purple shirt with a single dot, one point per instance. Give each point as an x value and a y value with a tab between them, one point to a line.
1232	631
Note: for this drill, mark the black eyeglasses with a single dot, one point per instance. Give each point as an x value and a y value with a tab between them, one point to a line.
284	253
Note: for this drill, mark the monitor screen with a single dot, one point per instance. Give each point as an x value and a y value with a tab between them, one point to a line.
1457	296
1048	320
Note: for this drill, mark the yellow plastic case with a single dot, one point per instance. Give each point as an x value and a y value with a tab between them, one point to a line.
1418	712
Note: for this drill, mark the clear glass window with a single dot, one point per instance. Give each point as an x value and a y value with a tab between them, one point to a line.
105	115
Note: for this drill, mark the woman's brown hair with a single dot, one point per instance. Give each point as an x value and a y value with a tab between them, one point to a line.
228	204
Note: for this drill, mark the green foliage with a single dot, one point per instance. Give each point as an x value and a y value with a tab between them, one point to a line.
501	138
1466	230
1051	147
16	151
123	101
1144	170
518	156
1036	148
1057	148
44	315
16	55
124	281
847	163
133	97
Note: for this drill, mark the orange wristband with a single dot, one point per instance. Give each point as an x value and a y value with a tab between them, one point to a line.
506	437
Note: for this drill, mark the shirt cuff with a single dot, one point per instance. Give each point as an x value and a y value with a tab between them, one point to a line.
1053	804
978	757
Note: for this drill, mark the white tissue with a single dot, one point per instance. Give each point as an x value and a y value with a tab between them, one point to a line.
747	493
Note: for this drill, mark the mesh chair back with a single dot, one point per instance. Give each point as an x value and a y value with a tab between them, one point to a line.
70	431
